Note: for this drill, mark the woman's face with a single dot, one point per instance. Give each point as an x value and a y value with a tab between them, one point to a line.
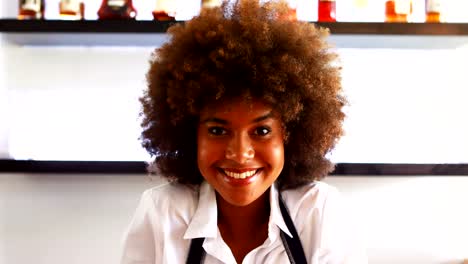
240	149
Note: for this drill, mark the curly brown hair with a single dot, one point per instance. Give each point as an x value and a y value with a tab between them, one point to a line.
244	49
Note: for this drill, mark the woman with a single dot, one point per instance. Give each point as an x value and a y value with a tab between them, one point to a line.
242	106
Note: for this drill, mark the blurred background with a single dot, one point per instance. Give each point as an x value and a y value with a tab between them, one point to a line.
74	97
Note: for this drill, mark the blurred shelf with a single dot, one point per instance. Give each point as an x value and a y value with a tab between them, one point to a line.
84	33
152	33
140	26
136	167
84	26
408	29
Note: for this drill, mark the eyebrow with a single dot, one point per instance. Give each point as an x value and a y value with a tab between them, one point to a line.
225	122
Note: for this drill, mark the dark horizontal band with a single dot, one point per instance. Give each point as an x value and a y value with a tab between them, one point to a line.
137	167
146	26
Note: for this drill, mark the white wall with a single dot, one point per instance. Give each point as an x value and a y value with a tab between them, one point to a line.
400	99
55	219
75	219
78	101
4	118
411	220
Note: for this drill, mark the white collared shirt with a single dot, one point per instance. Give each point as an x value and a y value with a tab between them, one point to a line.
170	215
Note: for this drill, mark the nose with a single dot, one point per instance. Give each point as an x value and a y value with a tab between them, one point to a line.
240	148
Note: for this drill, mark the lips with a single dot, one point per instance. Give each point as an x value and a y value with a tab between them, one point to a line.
240	178
240	175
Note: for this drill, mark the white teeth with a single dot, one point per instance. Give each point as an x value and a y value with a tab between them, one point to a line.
242	175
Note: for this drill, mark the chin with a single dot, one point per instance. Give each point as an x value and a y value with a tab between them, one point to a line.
240	200
239	203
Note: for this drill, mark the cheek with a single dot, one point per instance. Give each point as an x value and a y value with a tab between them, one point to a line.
278	155
273	153
201	152
207	152
204	155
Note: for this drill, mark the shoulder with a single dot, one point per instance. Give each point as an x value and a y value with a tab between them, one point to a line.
325	219
315	195
314	205
169	197
166	190
167	206
162	215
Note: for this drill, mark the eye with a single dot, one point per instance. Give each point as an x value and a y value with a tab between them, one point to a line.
217	131
262	131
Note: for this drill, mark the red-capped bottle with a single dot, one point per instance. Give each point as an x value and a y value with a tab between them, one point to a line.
326	10
31	9
165	10
117	9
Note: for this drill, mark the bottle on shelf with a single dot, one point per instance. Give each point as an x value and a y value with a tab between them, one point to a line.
326	10
291	13
433	8
165	10
31	9
211	3
71	9
398	10
117	9
292	9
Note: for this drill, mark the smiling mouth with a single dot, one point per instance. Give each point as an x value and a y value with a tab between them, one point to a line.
239	175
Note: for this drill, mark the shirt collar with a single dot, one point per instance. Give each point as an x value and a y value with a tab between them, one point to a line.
275	212
204	222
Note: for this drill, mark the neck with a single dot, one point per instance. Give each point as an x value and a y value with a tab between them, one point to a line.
245	219
243	228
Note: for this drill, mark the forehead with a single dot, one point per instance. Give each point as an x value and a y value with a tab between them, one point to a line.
237	106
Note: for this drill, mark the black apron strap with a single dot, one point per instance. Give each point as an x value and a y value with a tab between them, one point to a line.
292	245
196	252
